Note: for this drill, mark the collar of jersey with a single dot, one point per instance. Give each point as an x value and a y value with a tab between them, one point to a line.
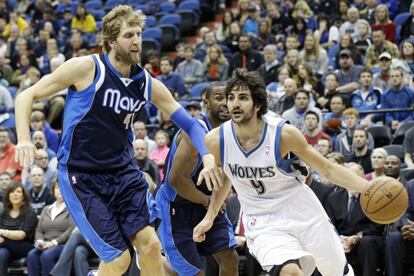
116	72
248	153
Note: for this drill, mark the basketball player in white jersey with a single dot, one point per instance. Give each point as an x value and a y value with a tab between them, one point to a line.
286	227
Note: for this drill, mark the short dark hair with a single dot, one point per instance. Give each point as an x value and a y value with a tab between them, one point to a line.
311	112
304	92
6	200
208	90
365	70
254	83
166	58
362	129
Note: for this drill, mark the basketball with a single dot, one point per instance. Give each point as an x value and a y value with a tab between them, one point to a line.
385	200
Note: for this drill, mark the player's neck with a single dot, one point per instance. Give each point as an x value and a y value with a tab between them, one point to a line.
123	68
251	130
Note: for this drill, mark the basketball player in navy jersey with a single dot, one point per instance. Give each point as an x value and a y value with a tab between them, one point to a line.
286	227
183	204
104	191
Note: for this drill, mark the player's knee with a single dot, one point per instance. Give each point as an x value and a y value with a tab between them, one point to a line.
122	262
291	270
228	258
151	249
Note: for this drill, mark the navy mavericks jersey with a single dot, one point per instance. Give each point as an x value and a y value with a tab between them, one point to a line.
97	132
174	196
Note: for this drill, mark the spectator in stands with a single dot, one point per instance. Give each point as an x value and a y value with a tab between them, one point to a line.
292	43
288	99
407	28
38	122
311	130
326	35
398	96
351	25
41	160
7	151
5	182
194	108
39	141
361	154
191	69
331	83
383	22
379	45
361	238
5	69
14	19
17	226
83	21
232	41
74	257
141	132
271	65
52	232
392	168
279	21
314	55
56	103
401	240
293	61
173	81
324	146
41	43
179	48
223	30
299	30
408	148
21	48
209	39
216	67
406	60
159	154
75	45
251	26
6	100
145	164
247	57
346	42
19	75
368	13
296	114
348	73
382	79
367	97
242	12
153	63
31	77
309	82
378	157
332	121
341	15
364	37
265	37
276	89
40	194
166	124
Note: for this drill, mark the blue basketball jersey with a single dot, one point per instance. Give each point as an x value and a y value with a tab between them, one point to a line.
172	194
97	127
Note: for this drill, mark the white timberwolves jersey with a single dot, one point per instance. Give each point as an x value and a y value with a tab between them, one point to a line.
264	181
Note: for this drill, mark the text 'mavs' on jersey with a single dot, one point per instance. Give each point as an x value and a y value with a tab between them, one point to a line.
97	132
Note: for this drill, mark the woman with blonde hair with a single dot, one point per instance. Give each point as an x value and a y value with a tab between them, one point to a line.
378	157
216	67
314	55
384	23
302	9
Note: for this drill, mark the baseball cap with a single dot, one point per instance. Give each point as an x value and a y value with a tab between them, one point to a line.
193	104
384	55
345	52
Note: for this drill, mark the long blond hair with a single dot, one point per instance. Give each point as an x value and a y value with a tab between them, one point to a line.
221	59
387	20
112	23
316	48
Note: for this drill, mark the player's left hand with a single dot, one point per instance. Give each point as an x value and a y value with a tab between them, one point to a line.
199	232
211	174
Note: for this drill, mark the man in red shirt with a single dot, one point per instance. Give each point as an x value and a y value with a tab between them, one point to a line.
7	162
312	131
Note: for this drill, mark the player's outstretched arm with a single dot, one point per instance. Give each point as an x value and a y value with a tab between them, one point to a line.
164	100
184	163
292	140
218	197
73	72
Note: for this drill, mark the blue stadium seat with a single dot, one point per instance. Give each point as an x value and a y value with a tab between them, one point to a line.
136	2
93	5
12	90
109	4
152	33
167	7
396	150
174	19
193	5
401	18
98	14
197	89
151	21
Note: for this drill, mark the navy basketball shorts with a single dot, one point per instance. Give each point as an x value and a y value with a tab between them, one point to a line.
109	208
176	234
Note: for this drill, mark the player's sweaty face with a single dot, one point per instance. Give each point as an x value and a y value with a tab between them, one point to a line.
128	44
240	104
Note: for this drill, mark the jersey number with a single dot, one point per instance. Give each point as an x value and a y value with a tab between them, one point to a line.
128	120
259	186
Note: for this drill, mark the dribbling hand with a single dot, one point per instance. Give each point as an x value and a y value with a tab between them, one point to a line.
25	152
199	232
212	174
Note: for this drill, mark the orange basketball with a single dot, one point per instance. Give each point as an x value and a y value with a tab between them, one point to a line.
385	200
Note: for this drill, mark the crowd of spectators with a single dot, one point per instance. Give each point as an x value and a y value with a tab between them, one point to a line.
330	67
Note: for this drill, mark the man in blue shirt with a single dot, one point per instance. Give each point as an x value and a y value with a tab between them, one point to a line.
173	81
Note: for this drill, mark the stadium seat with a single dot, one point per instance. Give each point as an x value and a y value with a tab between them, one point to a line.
151	21
135	2
98	14
167	7
408	174
396	150
174	19
193	5
152	33
381	135
399	20
398	136
109	4
169	24
197	89
93	5
149	44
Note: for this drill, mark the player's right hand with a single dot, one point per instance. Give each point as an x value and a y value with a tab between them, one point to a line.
211	174
199	232
25	152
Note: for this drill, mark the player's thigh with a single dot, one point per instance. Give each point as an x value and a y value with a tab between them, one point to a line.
322	241
91	214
